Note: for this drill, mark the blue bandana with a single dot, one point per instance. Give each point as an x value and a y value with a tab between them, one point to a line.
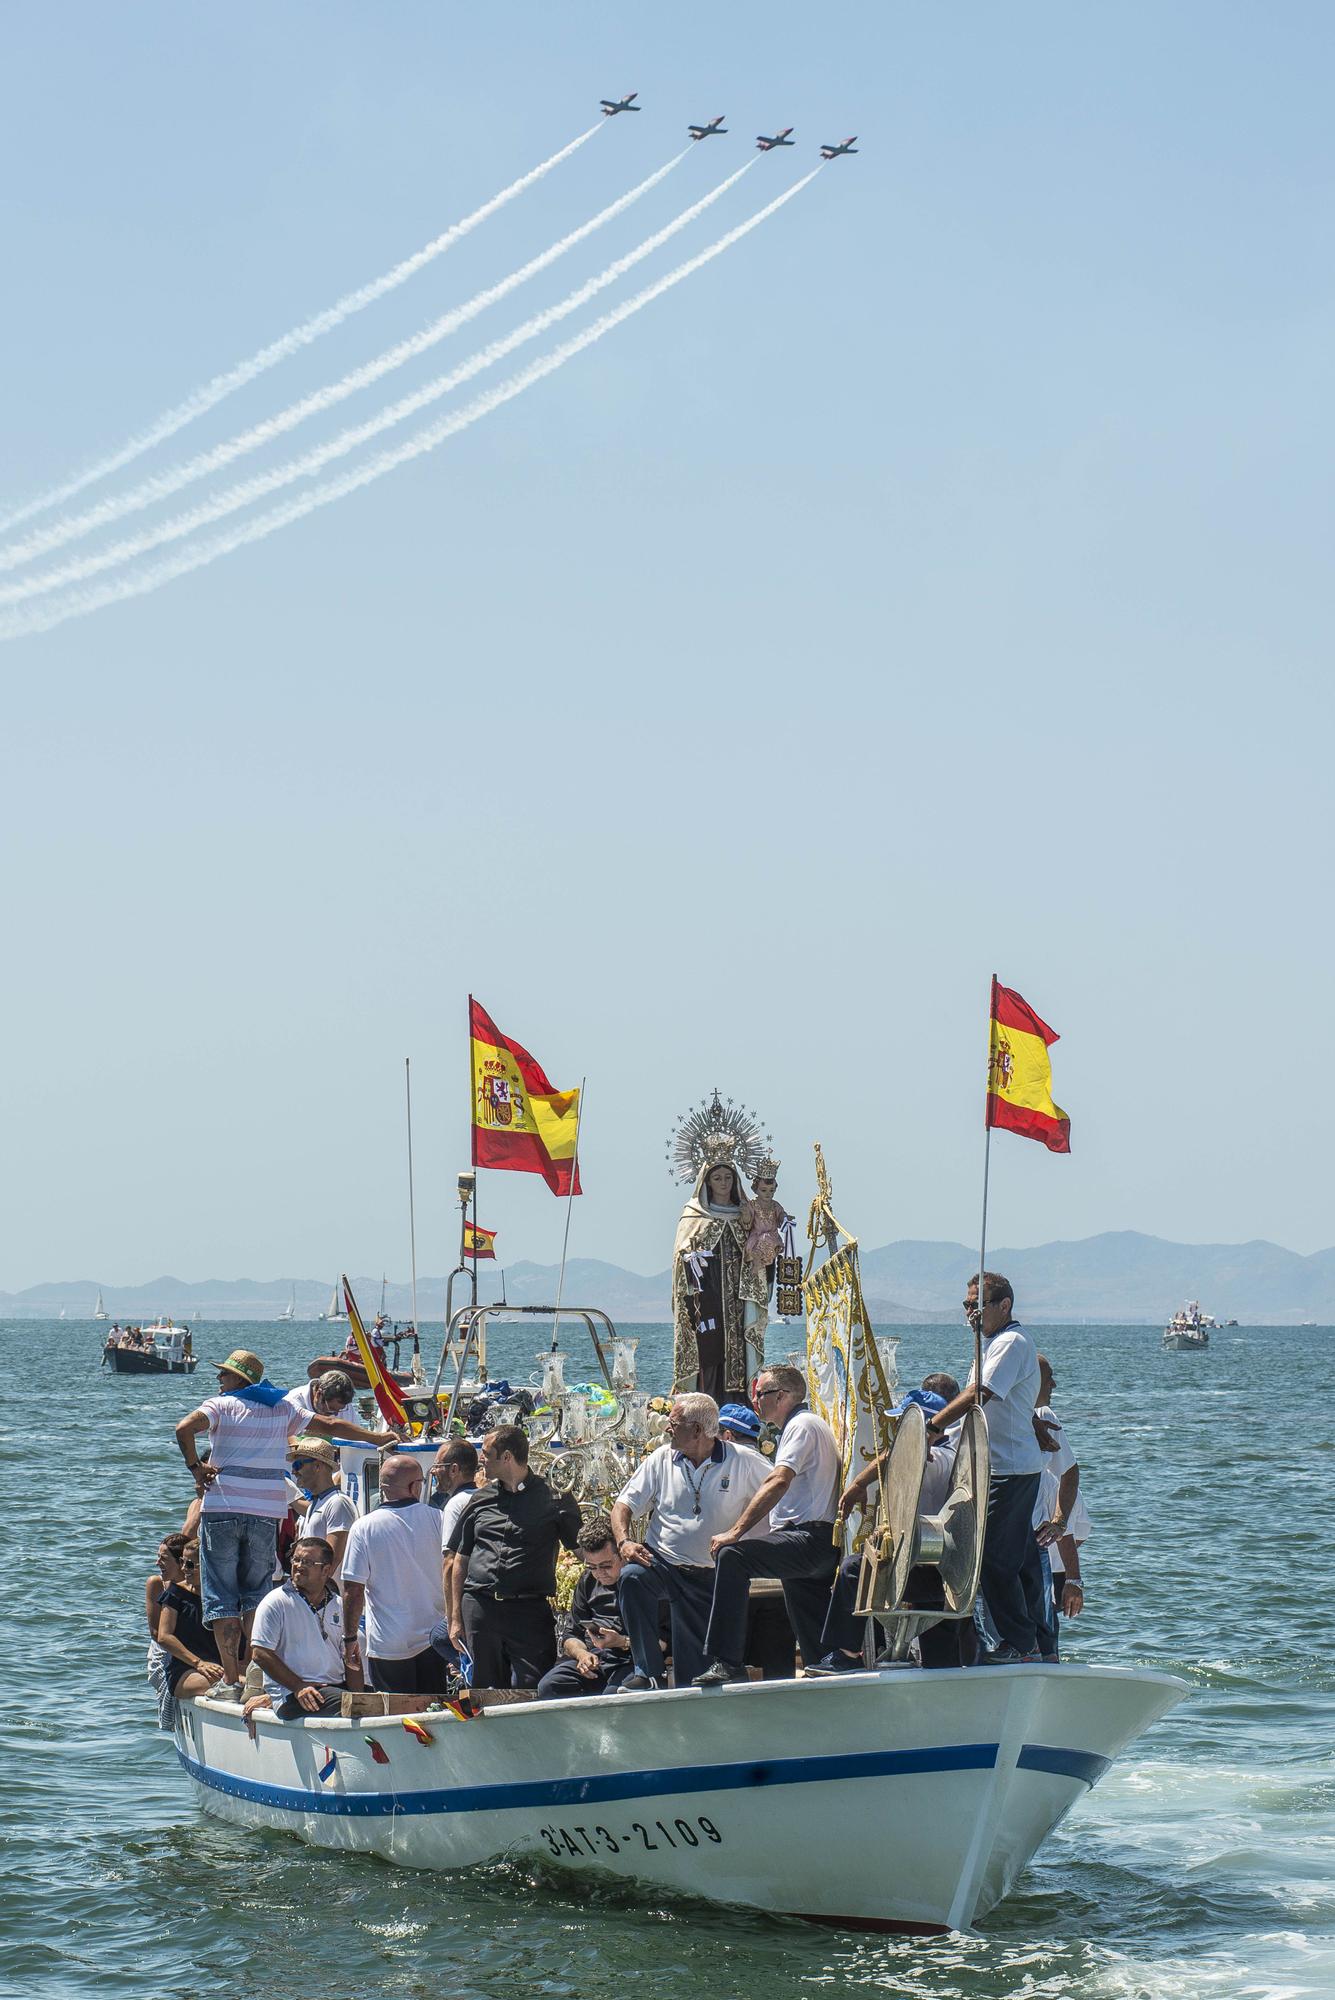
263	1393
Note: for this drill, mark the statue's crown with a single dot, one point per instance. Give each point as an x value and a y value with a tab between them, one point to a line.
767	1169
718	1149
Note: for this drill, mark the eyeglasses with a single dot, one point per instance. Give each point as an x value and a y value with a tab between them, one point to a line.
763	1395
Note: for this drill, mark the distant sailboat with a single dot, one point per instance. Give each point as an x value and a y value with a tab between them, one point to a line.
290	1309
62	1312
99	1310
334	1310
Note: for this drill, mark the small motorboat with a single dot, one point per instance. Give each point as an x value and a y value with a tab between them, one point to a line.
164	1348
1188	1331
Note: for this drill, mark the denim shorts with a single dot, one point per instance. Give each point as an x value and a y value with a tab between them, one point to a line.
237	1554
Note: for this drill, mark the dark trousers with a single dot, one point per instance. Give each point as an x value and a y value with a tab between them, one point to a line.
291	1710
1012	1577
424	1673
512	1639
803	1557
952	1643
563	1680
687	1591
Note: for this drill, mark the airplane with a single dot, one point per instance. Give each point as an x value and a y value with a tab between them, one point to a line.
611	105
767	145
833	152
715	126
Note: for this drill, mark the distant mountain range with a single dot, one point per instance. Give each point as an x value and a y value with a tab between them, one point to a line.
1119	1277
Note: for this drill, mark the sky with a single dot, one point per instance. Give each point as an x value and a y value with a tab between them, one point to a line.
936	584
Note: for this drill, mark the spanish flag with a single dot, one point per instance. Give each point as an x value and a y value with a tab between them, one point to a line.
479	1242
1019	1074
383	1386
520	1124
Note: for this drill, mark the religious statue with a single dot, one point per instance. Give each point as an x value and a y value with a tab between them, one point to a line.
720	1294
766	1222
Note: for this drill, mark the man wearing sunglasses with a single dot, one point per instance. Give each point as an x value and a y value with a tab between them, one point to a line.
330	1513
799	1501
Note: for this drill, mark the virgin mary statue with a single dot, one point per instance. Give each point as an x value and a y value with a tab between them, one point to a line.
720	1297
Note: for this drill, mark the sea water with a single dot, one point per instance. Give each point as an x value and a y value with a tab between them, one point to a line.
1203	1865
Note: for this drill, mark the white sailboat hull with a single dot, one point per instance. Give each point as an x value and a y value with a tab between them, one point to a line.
905	1800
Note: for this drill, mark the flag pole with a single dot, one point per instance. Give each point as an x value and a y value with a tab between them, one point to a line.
412	1208
987	1163
570	1203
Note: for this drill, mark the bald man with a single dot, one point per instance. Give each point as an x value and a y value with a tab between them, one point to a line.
391	1572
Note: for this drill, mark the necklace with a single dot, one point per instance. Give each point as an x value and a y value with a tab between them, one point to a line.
695	1490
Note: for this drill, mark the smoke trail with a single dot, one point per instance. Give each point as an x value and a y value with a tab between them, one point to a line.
42	618
163	484
264	483
289	343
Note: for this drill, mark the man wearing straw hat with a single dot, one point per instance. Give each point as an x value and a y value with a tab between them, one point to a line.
243	1489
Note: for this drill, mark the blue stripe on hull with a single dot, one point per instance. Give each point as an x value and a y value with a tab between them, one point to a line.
549	1792
1082	1764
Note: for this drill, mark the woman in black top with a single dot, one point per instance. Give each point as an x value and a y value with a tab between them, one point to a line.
193	1666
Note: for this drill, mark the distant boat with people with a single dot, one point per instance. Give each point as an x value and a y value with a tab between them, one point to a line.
164	1348
1188	1331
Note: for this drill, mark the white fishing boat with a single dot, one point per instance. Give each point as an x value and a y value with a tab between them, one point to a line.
903	1800
1188	1331
898	1799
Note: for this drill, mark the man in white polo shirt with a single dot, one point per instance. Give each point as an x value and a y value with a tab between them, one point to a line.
798	1502
1012	1576
392	1570
298	1636
330	1514
694	1486
243	1484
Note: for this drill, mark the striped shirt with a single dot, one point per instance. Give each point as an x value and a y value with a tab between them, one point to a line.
248	1445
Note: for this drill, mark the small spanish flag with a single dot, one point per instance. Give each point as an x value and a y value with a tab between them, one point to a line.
520	1124
1019	1073
479	1242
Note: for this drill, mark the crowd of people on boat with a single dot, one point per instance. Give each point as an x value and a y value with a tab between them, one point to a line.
278	1592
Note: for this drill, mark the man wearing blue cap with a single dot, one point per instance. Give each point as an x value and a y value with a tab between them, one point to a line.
950	1644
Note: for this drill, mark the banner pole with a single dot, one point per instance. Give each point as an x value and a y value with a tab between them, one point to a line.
982	1239
570	1203
412	1206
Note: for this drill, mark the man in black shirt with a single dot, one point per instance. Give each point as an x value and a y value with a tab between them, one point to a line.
595	1650
507	1539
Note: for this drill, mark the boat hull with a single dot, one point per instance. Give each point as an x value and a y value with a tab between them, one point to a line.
905	1800
1186	1343
136	1361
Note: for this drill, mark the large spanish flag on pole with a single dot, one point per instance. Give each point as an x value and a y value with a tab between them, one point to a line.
1019	1073
520	1124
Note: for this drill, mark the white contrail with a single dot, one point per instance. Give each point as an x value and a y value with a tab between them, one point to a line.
42	618
301	336
163	484
261	484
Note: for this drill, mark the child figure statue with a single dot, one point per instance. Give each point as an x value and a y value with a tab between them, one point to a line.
763	1219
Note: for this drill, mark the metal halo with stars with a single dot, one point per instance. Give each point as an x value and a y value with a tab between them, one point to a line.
686	1141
